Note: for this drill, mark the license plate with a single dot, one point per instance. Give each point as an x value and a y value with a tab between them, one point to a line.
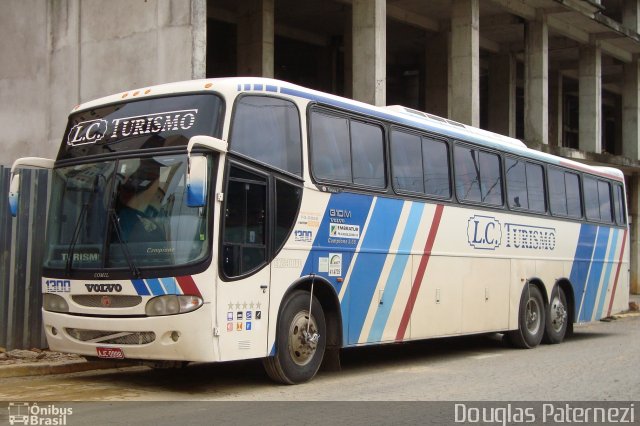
110	353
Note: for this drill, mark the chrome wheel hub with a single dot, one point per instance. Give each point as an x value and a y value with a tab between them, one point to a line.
303	338
532	316
558	314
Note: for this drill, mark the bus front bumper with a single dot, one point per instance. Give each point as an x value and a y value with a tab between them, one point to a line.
181	337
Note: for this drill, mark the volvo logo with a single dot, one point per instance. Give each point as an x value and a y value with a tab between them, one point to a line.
103	288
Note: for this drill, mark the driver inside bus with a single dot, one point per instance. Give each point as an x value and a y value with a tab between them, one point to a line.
139	200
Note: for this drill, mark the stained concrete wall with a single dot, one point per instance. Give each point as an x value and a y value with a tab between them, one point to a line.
64	52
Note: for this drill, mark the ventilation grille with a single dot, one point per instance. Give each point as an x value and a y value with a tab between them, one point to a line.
97	301
112	337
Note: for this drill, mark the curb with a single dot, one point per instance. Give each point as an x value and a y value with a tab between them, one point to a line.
41	369
627	314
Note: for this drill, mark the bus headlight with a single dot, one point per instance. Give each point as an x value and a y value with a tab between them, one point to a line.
172	304
54	303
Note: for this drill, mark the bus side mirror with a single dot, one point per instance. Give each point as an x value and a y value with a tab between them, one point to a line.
14	193
14	186
197	177
197	181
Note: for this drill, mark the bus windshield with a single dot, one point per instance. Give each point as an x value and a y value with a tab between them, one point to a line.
124	213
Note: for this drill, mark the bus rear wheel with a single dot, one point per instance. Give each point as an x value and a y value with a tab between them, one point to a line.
557	317
300	340
531	319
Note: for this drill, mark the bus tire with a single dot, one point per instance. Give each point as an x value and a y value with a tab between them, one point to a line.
531	319
556	324
299	352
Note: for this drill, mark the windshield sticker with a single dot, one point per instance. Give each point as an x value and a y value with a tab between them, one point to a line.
335	264
94	131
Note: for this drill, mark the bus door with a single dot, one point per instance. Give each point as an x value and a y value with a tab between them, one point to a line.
243	287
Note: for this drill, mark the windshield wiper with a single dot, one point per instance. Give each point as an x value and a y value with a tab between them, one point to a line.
76	235
123	244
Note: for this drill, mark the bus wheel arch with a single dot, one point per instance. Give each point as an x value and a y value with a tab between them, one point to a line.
325	318
531	315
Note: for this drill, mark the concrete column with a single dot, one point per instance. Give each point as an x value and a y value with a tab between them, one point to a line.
199	36
255	37
634	228
590	99
502	94
631	14
369	28
555	108
631	111
437	74
464	91
348	56
536	96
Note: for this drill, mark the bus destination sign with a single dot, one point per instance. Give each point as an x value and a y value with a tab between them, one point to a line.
103	131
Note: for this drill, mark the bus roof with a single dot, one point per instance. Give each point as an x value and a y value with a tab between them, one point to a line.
394	114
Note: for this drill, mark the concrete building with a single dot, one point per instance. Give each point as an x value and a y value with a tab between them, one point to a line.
562	75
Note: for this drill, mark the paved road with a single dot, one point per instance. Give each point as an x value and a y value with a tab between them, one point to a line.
599	363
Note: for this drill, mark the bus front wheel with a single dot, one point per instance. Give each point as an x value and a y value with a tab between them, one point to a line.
531	319
300	340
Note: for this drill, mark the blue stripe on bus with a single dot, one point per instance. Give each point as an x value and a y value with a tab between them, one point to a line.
257	87
607	274
170	285
582	260
357	207
154	285
370	261
597	265
140	287
247	86
397	271
271	88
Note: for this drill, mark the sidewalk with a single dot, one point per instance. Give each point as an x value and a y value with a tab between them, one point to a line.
36	362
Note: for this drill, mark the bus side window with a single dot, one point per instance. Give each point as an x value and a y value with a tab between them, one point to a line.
478	176
267	129
618	204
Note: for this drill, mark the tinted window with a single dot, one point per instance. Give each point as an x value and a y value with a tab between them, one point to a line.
347	150
268	130
478	176
435	158
591	200
142	124
490	178
572	185
604	196
288	198
517	184
535	187
618	204
564	193
330	143
467	167
244	236
367	153
557	191
406	154
420	164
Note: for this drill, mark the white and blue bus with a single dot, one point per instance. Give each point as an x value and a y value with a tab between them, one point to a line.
237	218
